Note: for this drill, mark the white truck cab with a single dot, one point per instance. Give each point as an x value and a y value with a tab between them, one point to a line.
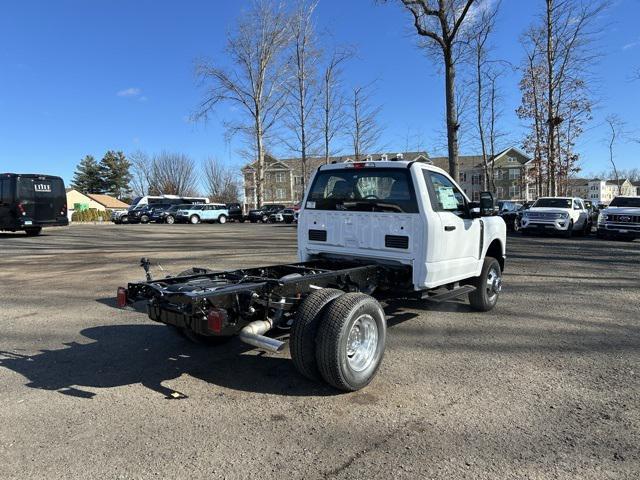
566	215
399	212
621	219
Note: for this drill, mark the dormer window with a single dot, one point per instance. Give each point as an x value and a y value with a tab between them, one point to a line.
384	157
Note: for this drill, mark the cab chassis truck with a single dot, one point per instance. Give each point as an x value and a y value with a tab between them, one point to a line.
367	232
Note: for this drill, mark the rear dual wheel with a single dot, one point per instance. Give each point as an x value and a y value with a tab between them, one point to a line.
340	337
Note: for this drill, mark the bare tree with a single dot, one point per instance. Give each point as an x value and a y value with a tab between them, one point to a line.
440	22
485	100
364	129
568	34
221	183
303	91
615	126
142	173
174	174
256	82
333	100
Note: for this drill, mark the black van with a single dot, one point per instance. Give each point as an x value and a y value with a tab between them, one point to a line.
29	202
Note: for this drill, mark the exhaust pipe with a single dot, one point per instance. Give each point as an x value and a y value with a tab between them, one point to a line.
253	334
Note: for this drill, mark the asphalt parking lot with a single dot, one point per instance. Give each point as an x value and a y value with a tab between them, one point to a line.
545	386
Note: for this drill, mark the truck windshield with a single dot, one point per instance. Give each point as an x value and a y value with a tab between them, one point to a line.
363	190
625	202
553	202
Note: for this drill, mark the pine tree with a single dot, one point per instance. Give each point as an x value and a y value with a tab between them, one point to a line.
87	177
114	171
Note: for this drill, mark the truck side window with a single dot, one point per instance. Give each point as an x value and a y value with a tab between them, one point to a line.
445	196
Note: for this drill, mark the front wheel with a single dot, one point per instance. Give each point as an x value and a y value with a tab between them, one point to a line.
488	286
351	341
569	230
144	219
222	219
170	219
124	219
265	219
516	225
32	232
194	219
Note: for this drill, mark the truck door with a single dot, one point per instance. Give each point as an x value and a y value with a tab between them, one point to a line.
457	246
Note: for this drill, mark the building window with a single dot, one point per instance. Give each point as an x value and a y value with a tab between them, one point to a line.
499	192
279	177
280	194
475	179
463	176
476	196
514	191
297	180
514	173
498	174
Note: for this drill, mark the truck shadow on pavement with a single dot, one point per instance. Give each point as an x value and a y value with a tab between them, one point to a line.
152	354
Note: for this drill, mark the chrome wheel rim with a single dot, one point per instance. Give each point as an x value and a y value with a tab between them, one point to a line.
222	219
362	343
494	283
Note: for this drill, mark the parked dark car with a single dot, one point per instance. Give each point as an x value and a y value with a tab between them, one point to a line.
594	211
262	214
512	217
148	213
166	213
235	212
286	215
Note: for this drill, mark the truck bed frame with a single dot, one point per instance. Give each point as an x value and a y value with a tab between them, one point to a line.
221	303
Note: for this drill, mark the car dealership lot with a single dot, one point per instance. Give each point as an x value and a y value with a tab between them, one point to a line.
545	386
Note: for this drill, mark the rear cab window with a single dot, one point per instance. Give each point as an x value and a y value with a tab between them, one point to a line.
363	190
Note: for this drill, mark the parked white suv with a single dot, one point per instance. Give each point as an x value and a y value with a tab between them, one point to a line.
566	215
621	219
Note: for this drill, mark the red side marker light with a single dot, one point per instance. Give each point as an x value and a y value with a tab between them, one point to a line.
121	297
216	319
358	165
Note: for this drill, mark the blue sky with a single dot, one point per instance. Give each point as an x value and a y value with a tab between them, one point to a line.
80	77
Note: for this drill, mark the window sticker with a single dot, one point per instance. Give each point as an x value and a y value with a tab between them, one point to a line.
447	198
311	204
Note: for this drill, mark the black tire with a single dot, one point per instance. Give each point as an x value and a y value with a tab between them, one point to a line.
32	232
124	219
170	219
480	299
144	219
304	330
332	355
241	220
222	219
516	225
569	231
193	219
265	219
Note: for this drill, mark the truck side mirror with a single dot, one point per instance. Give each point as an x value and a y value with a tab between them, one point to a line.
486	204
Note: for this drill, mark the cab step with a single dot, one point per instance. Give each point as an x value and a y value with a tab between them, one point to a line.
447	294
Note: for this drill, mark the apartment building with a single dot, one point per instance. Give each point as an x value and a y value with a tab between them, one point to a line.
283	177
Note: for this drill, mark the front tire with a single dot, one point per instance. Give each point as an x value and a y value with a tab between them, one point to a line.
32	232
124	219
488	286
194	219
569	231
351	341
265	219
304	330
170	219
144	219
